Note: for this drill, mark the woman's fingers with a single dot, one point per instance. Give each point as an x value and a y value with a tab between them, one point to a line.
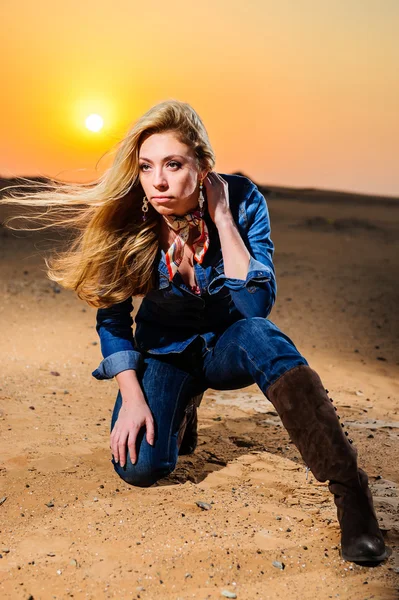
132	445
149	424
123	438
122	449
114	444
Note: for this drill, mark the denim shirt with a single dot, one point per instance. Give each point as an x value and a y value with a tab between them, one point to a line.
171	316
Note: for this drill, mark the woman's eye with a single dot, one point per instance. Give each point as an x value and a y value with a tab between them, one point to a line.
173	162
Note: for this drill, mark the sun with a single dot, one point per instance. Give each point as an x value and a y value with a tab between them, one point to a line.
94	122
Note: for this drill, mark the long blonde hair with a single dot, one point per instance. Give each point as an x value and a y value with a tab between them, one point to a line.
112	252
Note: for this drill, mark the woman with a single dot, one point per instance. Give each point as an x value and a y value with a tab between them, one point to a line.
196	246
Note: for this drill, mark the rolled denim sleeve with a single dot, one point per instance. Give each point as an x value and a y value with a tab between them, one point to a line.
114	327
255	295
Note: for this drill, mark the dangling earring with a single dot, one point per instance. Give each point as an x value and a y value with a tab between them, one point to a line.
144	208
201	200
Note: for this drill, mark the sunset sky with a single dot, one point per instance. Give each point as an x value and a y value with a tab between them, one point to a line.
292	92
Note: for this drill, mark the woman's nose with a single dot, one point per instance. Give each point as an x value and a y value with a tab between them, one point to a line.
159	178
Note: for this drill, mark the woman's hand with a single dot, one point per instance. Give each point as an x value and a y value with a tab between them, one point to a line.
132	416
217	195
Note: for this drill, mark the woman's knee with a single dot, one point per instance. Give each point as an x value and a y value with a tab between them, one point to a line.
256	334
255	328
143	473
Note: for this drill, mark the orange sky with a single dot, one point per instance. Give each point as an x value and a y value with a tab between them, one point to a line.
302	93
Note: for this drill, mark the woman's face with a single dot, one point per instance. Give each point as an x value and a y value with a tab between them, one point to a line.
168	168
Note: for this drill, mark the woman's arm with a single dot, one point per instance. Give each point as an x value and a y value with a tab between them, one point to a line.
121	359
249	272
133	415
114	327
235	254
129	386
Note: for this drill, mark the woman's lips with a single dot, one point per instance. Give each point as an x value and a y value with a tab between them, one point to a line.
163	199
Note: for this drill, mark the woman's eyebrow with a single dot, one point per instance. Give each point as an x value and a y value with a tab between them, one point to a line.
166	157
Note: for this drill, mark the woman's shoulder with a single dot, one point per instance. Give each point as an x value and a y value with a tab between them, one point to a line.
239	185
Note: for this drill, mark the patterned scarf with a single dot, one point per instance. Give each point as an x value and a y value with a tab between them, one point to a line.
182	226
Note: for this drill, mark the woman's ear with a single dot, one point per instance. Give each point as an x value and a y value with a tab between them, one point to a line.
204	173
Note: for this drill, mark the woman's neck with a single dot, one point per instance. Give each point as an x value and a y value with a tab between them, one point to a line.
168	235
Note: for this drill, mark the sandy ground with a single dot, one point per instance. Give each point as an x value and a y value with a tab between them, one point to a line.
70	528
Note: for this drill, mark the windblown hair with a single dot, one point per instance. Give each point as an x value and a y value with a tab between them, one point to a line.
112	253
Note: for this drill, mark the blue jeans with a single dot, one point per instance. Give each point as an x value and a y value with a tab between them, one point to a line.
252	350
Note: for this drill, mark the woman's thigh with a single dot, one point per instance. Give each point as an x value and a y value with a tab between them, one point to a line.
251	350
167	389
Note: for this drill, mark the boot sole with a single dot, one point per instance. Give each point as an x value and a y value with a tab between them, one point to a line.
363	559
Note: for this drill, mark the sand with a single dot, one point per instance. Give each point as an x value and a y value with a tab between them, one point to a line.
70	528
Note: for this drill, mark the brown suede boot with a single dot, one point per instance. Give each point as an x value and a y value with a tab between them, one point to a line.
188	433
307	413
